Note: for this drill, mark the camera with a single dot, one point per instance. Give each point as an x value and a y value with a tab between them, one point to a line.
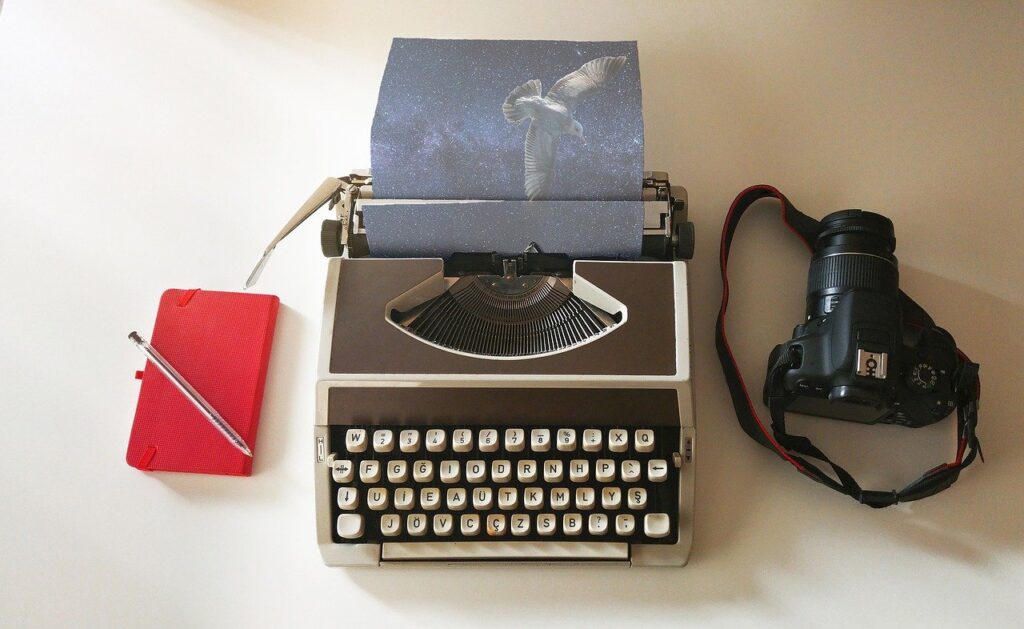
860	356
866	353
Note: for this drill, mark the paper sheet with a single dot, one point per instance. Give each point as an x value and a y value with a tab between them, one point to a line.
525	121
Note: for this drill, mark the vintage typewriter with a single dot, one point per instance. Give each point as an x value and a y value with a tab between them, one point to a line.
528	408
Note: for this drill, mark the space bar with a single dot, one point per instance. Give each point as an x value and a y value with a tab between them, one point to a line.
504	551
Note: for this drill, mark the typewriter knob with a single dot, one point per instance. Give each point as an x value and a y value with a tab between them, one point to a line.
330	238
684	239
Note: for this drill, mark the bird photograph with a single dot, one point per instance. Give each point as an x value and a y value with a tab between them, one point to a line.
551	116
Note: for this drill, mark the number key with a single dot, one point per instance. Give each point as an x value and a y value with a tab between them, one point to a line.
488	440
409	440
566	440
383	441
437	441
515	439
540	440
462	440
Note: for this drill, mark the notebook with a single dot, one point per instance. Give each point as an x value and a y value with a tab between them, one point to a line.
220	342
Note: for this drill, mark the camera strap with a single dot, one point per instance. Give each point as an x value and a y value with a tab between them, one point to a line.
797	449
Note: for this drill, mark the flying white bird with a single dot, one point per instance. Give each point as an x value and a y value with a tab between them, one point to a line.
551	116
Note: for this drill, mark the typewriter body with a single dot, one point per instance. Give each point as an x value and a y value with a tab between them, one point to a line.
517	409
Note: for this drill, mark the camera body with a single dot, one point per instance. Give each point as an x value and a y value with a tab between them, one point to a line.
855	358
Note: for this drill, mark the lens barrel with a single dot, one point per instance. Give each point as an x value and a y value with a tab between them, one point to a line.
853	251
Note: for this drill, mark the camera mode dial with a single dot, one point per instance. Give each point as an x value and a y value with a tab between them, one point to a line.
923	377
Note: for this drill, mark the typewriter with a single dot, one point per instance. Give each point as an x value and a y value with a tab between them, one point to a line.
504	370
488	408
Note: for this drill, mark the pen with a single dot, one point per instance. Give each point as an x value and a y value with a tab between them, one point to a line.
193	396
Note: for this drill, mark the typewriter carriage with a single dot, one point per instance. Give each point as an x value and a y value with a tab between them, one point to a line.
668	235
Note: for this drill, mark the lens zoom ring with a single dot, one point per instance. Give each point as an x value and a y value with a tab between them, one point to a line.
852	271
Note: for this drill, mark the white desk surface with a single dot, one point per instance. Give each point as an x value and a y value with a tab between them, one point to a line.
147	145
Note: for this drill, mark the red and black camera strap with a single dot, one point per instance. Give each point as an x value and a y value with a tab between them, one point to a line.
797	449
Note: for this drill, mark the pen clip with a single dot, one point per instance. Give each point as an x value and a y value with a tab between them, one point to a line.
327	191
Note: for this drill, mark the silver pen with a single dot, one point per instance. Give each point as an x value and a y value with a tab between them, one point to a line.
190	393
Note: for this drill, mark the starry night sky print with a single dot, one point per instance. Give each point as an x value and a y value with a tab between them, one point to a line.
439	133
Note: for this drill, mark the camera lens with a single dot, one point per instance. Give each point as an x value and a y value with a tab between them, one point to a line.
853	251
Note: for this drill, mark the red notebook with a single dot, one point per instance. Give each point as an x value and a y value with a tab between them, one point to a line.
220	342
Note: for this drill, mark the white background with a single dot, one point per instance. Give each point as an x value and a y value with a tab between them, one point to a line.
161	143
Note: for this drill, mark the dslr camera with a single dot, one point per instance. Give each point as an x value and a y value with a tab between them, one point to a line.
866	352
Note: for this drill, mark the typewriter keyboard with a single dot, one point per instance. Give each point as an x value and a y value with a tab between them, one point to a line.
409	484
